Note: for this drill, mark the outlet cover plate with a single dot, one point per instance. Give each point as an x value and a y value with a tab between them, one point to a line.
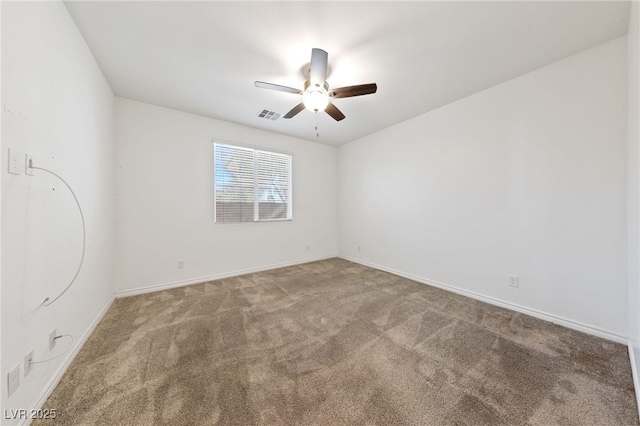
27	168
514	281
13	380
28	366
15	159
52	339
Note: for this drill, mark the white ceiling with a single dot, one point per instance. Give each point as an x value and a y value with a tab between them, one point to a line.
203	57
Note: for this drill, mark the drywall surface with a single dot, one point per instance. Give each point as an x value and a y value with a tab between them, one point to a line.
164	201
525	179
58	107
633	187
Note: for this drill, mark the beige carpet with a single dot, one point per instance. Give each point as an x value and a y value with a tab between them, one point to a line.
333	342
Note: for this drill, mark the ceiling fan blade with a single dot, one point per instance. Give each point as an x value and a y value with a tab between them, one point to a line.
296	109
318	67
277	87
350	91
334	112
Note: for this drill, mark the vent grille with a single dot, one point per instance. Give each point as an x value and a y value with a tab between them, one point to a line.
269	115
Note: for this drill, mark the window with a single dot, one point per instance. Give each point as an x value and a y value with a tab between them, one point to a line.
251	185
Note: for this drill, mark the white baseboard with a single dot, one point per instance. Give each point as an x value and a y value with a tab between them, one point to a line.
633	356
55	379
174	284
575	325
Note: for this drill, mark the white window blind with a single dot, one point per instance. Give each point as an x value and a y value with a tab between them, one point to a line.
251	185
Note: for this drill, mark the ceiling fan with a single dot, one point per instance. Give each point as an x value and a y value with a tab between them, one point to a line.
316	93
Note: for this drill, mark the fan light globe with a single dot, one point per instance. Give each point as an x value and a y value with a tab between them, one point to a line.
315	98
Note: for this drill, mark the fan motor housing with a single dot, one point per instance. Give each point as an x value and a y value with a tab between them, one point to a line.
307	84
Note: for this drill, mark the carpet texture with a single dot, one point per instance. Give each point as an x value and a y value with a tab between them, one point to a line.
334	342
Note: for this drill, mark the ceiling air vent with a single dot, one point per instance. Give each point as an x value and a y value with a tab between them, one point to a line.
269	115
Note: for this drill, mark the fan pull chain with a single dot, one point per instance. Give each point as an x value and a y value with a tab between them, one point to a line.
317	132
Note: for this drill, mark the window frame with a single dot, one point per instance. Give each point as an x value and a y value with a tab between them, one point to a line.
256	200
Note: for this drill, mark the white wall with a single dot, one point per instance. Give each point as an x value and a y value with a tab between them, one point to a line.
58	107
164	201
633	189
527	178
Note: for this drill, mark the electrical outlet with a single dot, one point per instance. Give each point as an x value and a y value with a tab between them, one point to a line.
180	264
358	248
28	366
514	281
13	380
308	247
14	162
28	163
52	339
